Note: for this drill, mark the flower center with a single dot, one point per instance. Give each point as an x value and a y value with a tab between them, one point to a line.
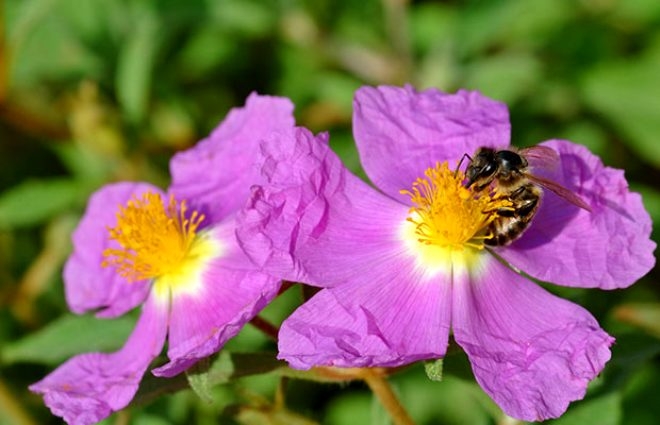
447	214
155	238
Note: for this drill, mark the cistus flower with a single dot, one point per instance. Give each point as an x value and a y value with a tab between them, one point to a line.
175	255
404	266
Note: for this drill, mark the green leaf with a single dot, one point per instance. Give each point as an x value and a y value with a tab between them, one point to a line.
198	379
89	21
244	364
136	63
640	394
605	410
380	416
67	336
636	12
625	92
92	170
432	25
643	315
452	401
222	369
484	24
34	202
506	76
349	409
147	419
433	369
247	18
44	46
204	51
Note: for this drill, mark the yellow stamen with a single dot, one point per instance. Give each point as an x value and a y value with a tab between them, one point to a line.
155	238
446	214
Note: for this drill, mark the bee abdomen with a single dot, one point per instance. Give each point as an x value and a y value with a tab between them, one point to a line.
511	224
506	230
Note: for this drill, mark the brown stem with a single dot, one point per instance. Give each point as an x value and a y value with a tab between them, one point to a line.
383	391
266	327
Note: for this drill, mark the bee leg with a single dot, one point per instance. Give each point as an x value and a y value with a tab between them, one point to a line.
458	167
502	212
527	206
518	192
525	200
524	203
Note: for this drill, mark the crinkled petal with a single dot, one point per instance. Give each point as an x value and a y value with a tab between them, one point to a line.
89	387
315	222
532	352
231	294
401	132
216	174
608	248
389	317
88	285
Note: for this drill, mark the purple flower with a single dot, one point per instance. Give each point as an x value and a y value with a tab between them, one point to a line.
176	255
403	267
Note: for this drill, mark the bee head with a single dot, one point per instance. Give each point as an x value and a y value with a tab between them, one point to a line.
482	168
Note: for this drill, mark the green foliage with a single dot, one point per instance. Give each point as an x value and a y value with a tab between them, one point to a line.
67	336
433	369
93	92
619	90
136	61
34	202
604	410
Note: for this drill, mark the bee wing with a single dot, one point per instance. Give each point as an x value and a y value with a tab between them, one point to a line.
559	190
540	156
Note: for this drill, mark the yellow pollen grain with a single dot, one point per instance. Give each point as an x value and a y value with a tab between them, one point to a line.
154	238
447	214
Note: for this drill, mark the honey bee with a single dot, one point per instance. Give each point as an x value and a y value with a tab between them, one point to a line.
507	172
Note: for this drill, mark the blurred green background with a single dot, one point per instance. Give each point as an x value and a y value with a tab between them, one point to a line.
105	90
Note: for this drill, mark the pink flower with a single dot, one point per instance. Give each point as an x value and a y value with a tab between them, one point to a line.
175	255
401	272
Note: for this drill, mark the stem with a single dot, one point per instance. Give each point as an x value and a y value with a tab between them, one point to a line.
383	391
280	392
266	327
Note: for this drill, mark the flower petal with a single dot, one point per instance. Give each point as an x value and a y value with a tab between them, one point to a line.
88	285
231	294
401	132
390	317
315	222
221	167
609	247
532	352
89	387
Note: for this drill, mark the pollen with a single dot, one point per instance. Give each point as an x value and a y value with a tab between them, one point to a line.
446	214
155	237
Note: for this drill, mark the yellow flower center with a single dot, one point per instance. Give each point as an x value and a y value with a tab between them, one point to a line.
447	219
155	239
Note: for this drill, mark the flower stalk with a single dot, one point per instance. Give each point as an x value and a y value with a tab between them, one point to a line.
265	326
381	388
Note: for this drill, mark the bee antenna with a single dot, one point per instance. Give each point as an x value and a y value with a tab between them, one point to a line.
458	167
